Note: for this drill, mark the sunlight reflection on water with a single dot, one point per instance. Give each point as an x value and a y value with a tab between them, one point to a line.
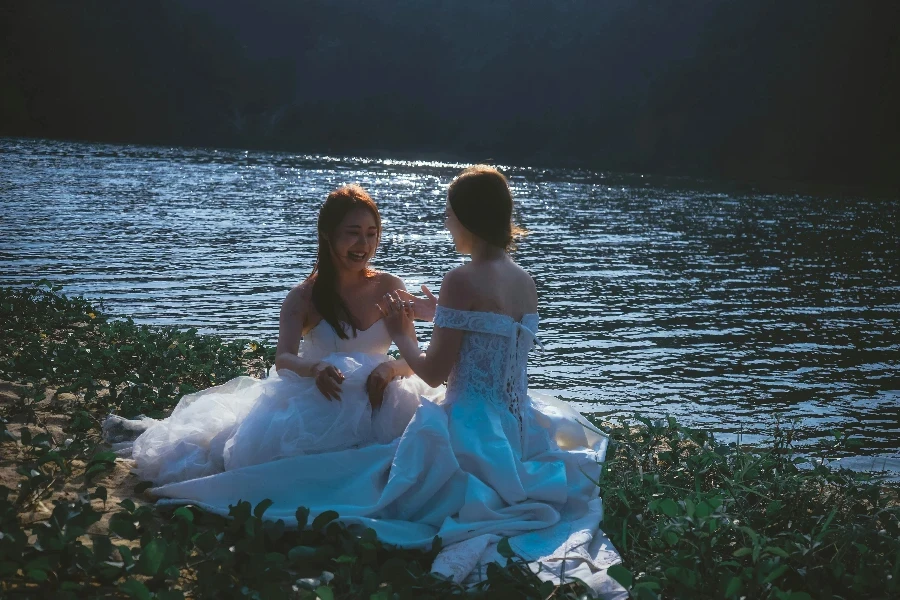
724	307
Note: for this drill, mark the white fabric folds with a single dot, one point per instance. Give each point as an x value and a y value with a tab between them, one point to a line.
484	461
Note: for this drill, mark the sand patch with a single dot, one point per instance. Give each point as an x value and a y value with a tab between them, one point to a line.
50	416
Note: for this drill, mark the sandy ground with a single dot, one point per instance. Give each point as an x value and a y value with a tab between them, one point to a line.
52	416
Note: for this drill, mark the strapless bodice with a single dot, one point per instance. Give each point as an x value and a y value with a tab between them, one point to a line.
321	340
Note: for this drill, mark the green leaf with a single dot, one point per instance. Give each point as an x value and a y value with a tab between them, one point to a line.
682	575
776	573
325	552
324	519
742	552
41	563
647	585
622	575
102	547
53	457
299	554
100	493
669	507
302	515
127	557
324	593
104	457
274	531
183	512
37	575
108	571
734	586
135	589
41	440
261	508
205	541
122	526
151	557
96	469
504	549
777	551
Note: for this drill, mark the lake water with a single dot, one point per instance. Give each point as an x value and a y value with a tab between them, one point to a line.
727	308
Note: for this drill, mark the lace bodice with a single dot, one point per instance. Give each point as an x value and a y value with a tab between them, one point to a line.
493	359
321	340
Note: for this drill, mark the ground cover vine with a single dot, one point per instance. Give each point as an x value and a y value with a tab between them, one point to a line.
692	517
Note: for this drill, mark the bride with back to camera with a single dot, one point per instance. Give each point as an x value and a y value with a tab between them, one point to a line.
528	462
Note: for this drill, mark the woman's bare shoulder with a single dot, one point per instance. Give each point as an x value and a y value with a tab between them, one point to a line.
526	278
528	286
456	288
462	275
388	282
299	297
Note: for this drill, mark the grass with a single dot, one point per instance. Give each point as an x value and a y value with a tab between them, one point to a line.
692	517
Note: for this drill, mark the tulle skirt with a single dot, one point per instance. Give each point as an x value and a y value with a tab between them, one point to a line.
249	421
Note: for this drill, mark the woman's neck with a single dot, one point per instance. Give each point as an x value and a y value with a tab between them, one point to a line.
347	279
483	252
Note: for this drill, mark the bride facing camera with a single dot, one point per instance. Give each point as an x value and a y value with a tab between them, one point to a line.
333	385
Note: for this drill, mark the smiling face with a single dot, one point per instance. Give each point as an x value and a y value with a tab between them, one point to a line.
462	237
354	240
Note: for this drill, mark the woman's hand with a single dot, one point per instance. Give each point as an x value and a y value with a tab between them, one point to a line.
377	382
398	316
328	380
423	309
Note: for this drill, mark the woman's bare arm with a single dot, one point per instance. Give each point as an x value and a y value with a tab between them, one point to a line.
434	365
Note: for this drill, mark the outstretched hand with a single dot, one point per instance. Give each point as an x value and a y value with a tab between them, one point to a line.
398	316
423	308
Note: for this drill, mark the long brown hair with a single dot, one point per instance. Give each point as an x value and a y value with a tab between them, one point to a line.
325	295
483	204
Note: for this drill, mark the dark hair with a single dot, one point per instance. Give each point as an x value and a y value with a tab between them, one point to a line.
325	296
481	200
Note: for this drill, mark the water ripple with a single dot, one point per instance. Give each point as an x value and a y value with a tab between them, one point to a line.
725	308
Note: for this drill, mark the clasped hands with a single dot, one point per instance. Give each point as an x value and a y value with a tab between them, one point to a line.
398	309
329	379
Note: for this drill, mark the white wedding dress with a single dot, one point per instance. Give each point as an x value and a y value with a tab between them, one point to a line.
485	460
249	421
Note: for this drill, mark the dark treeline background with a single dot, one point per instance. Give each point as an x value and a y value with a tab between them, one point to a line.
801	90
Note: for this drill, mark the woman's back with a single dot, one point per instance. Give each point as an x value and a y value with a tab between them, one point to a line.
495	306
496	286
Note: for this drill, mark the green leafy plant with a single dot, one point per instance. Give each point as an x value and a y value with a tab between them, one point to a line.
692	517
696	518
